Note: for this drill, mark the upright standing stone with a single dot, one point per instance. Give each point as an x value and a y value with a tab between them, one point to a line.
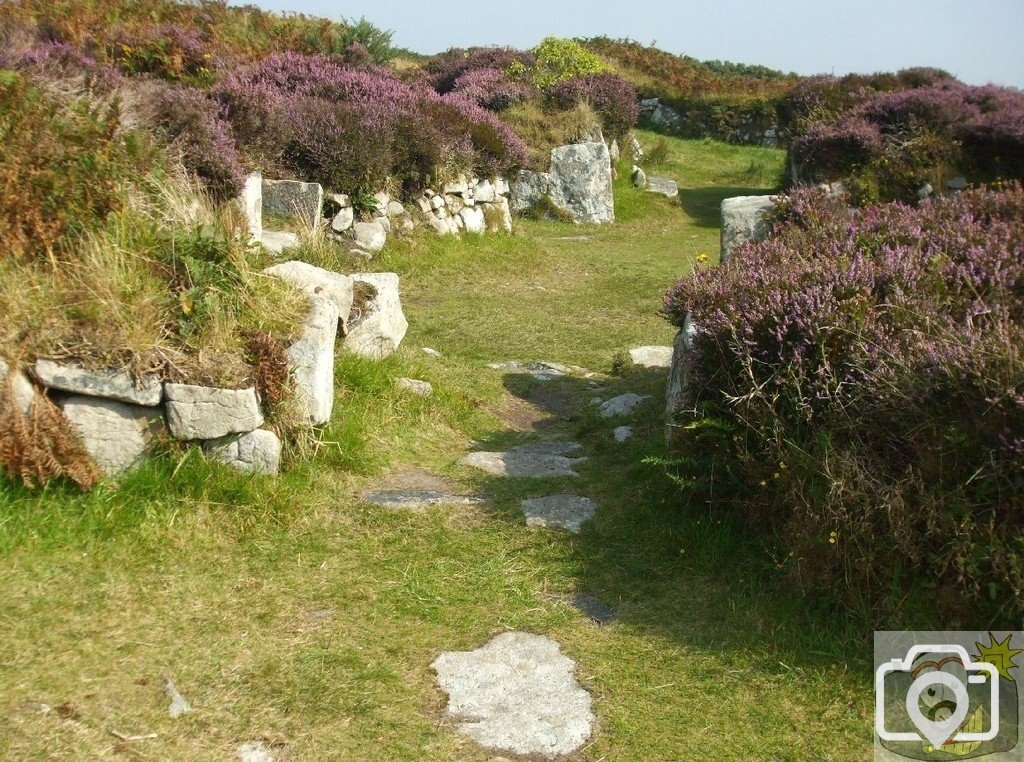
581	182
678	395
251	204
379	330
114	434
743	221
202	412
312	361
291	198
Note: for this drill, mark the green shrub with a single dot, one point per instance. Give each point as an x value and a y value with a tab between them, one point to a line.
558	59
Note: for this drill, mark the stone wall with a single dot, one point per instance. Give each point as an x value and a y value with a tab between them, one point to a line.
579	182
735	124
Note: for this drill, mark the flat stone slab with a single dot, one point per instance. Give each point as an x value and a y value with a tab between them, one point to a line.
276	241
109	384
591	608
415	386
624	404
542	371
517	694
201	412
417	500
115	434
651	356
562	511
537	461
663	186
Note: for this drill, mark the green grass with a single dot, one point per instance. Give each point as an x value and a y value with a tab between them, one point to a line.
211	575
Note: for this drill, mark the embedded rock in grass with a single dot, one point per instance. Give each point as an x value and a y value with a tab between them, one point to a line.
316	281
110	384
251	204
664	186
539	461
623	433
639	177
624	404
473	218
343	220
743	221
517	694
370	236
115	434
651	356
542	371
395	209
432	352
581	182
254	751
258	452
677	394
203	412
312	361
15	385
379	331
592	608
529	188
415	386
564	511
414	500
291	198
276	241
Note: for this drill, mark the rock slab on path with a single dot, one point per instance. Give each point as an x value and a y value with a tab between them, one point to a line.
517	694
202	412
538	461
415	500
624	404
663	186
110	384
563	511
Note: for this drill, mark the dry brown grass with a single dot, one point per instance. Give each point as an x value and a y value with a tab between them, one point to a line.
544	130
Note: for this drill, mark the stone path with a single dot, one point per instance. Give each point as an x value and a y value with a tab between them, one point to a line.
537	461
517	694
563	511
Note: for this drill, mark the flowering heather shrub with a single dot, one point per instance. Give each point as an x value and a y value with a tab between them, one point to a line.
834	149
612	98
445	69
491	89
871	365
192	122
350	128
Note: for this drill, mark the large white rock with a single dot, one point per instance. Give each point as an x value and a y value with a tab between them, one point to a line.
501	187
203	412
291	198
343	220
743	221
651	356
111	384
312	362
379	331
473	217
16	387
484	191
276	241
257	452
115	435
370	236
316	281
251	204
581	182
678	393
517	695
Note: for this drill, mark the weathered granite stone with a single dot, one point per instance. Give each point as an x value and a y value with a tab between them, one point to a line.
370	236
251	204
276	241
635	147
458	187
651	356
484	191
661	117
639	177
432	352
316	281
378	332
529	188
530	461
613	151
257	452
502	187
415	386
116	435
663	186
202	412
517	695
395	209
473	219
624	404
623	433
312	362
381	201
291	198
417	499
343	220
563	511
255	751
542	371
16	386
581	182
677	394
424	204
742	221
437	202
110	384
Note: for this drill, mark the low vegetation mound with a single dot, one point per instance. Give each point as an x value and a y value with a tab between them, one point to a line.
858	396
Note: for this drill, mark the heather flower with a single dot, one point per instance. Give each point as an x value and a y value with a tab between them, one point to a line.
491	89
612	98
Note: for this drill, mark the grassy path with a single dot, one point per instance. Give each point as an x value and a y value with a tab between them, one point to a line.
290	611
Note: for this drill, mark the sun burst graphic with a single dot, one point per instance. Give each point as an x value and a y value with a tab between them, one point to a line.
1000	655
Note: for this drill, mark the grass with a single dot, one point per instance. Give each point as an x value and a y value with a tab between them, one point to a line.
222	580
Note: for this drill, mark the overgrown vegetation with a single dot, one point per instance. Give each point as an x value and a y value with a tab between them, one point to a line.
859	396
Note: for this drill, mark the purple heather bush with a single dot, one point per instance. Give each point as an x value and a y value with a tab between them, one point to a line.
492	89
612	98
868	366
445	69
351	128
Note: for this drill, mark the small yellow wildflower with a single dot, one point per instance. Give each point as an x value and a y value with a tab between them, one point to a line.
702	258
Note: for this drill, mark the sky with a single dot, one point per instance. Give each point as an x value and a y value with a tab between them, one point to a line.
979	41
